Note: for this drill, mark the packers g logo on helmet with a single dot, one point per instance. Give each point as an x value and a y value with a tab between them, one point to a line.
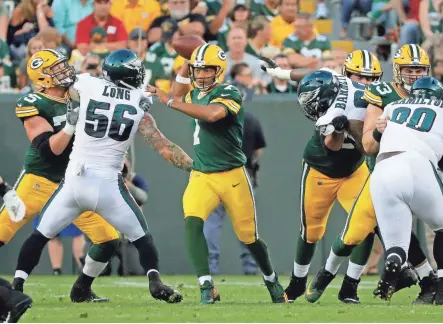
48	68
36	63
362	63
203	57
412	56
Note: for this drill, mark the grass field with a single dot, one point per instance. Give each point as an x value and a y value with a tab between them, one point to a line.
244	299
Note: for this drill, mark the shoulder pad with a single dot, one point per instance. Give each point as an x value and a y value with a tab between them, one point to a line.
27	106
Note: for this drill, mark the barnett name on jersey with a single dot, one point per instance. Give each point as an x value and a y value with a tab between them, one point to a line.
415	125
218	146
108	119
344	162
53	110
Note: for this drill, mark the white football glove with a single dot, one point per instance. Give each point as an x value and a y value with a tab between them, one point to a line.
274	70
71	117
14	205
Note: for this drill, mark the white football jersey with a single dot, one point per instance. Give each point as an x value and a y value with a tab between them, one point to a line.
415	125
108	120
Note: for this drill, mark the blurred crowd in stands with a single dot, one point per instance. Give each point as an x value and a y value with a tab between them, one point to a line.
295	33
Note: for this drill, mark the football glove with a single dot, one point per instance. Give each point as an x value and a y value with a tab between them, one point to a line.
274	70
14	205
340	123
71	117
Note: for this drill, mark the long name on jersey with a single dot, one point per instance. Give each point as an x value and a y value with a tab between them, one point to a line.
108	119
414	125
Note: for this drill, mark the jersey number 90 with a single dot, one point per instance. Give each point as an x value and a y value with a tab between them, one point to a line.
97	124
421	119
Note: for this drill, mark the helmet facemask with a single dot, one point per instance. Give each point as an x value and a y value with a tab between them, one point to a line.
407	80
61	73
205	83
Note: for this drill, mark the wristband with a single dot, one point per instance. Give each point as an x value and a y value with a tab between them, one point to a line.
69	129
377	135
182	80
169	104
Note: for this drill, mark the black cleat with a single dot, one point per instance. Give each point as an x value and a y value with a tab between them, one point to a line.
5	283
16	306
318	285
348	291
17	284
84	294
428	289
160	291
386	285
408	277
296	288
439	294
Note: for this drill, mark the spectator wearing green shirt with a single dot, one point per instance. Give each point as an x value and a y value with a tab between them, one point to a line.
267	8
278	85
259	35
431	17
307	47
138	43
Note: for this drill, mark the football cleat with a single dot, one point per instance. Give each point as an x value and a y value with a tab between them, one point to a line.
428	289
84	294
209	294
408	277
439	294
386	285
348	291
18	284
160	291
318	285
296	288
278	294
16	306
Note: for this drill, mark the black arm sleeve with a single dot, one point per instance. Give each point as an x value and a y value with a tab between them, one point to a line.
4	188
41	143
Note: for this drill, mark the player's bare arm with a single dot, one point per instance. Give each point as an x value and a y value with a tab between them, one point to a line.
41	134
210	113
334	141
355	129
370	145
170	151
181	86
274	70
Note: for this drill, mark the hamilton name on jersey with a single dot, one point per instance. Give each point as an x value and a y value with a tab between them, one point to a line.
419	101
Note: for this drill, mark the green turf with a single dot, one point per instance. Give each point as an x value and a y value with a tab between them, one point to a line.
244	299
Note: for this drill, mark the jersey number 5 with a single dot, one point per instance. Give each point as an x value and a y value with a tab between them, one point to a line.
97	124
421	119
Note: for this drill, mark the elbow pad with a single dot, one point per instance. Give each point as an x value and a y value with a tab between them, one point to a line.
41	143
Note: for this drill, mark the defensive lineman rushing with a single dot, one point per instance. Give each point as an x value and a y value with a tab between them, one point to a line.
405	181
110	112
218	173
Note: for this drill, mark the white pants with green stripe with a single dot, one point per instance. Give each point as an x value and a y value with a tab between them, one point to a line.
403	186
101	191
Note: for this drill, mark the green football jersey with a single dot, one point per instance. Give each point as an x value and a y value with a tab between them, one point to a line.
218	145
166	57
381	94
344	162
154	69
314	48
259	8
54	111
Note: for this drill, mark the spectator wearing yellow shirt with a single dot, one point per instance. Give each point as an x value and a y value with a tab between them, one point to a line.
283	24
136	13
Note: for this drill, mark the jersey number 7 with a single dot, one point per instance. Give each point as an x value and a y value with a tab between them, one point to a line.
97	124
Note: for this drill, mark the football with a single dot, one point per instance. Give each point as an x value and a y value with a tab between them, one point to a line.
185	45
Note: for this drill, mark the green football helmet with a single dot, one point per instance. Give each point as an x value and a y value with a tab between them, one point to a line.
427	87
123	68
316	92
